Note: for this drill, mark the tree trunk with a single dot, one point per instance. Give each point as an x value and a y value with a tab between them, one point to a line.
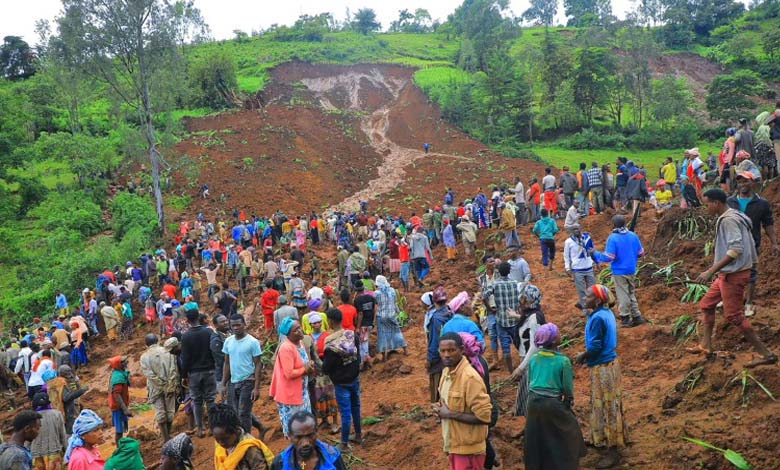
154	156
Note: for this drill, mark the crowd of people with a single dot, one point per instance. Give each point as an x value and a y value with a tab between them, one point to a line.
230	300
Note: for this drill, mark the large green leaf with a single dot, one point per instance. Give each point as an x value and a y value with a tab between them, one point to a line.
737	460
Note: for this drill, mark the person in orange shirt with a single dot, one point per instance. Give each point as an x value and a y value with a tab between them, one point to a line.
535	198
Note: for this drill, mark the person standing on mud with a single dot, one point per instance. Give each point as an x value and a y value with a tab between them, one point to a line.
578	262
162	381
420	252
464	409
759	211
241	372
607	423
505	293
623	250
197	367
519	191
439	316
734	259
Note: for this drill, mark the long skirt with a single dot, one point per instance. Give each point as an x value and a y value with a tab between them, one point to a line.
521	402
553	439
128	326
47	462
607	427
325	397
286	411
389	336
79	355
394	265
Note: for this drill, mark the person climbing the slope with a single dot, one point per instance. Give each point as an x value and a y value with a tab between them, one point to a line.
735	256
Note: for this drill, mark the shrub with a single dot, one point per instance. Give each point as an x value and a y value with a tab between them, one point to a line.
588	139
213	80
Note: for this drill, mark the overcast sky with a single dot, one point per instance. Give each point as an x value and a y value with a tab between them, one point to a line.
223	16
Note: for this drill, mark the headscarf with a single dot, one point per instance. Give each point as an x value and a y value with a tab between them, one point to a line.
286	326
381	283
694	152
118	376
314	304
315	318
185	274
546	335
602	293
171	343
179	448
457	302
115	362
427	299
87	421
531	295
472	349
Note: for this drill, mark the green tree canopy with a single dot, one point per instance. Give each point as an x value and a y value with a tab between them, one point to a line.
17	60
365	22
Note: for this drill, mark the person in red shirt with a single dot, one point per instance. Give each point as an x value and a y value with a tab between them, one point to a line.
535	198
170	289
403	257
269	301
348	311
415	220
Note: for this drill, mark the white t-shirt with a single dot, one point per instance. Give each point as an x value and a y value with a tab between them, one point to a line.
315	293
548	182
36	376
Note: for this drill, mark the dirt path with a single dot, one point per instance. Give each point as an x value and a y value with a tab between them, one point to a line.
353	86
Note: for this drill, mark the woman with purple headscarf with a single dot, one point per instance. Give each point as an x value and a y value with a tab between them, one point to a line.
553	438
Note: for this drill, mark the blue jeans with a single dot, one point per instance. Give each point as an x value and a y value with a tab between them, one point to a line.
404	274
584	204
348	400
507	335
493	332
511	238
421	267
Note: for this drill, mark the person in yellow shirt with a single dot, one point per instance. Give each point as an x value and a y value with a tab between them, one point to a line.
669	172
663	196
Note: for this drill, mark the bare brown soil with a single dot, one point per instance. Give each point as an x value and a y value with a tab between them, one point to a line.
342	157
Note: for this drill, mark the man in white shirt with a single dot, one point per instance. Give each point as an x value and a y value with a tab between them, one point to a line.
572	215
35	383
519	192
24	361
316	292
578	262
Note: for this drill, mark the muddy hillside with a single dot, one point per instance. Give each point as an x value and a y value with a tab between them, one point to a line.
328	136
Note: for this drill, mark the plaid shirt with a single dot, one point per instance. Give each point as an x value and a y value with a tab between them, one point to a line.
505	292
594	177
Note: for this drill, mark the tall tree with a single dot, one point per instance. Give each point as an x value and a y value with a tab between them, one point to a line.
595	66
16	59
365	22
588	12
542	12
483	24
641	48
133	46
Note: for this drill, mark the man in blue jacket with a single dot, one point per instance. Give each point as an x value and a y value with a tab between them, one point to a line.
623	250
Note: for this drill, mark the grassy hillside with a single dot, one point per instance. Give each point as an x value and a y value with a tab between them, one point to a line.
256	55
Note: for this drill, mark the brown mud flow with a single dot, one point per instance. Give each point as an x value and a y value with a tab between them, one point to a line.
322	141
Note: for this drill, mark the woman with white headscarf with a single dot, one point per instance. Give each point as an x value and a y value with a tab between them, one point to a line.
389	336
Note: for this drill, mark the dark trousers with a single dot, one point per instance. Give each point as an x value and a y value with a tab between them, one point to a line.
239	397
203	389
548	251
348	400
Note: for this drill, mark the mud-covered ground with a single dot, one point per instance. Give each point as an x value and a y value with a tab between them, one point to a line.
326	138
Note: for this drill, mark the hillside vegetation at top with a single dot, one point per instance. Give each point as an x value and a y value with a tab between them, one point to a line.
80	113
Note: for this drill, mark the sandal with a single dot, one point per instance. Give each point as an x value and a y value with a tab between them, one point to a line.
762	361
699	349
